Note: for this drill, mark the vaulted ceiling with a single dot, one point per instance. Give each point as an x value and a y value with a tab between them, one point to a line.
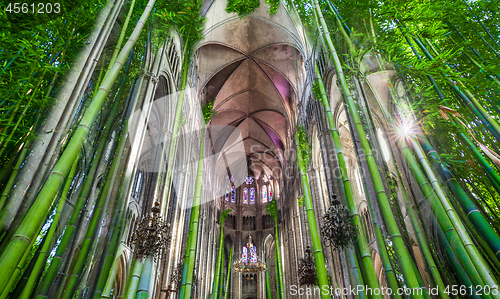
253	70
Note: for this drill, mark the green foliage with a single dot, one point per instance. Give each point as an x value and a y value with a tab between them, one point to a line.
208	111
242	7
272	209
316	90
273	6
183	16
36	50
301	201
224	215
304	145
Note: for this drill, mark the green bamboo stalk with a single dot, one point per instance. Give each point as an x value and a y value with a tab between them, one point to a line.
66	242
319	258
460	272
268	284
401	251
475	269
12	178
229	269
144	282
488	169
422	241
361	244
121	37
109	263
195	219
481	266
134	279
215	293
475	216
355	273
13	279
278	258
38	211
95	221
276	273
40	263
221	284
110	281
384	255
46	144
177	126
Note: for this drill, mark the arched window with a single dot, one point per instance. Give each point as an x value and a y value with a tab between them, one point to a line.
252	196
263	195
227	193
244	255
245	196
270	193
233	194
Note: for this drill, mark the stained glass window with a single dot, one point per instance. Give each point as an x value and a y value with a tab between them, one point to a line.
249	180
253	255
270	194
264	193
245	196
227	193
233	194
244	255
252	196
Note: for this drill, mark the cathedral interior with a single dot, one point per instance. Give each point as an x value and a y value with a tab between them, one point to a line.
238	202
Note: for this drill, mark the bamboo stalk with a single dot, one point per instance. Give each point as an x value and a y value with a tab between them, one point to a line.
469	99
268	284
481	224
195	219
461	273
93	226
361	244
144	282
401	251
355	275
474	268
176	128
66	242
134	280
384	255
43	147
10	183
215	293
488	169
38	211
221	284
481	266
422	241
229	270
121	37
40	263
276	272
319	258
278	258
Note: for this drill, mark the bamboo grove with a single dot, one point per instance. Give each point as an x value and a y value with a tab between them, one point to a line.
70	85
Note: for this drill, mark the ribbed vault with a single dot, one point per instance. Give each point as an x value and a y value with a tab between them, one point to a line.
252	69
